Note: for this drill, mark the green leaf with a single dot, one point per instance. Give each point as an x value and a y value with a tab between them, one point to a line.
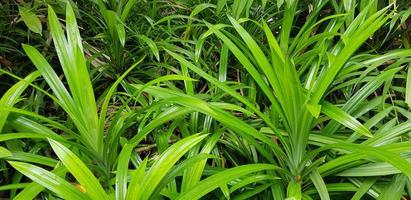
12	95
371	169
135	183
30	19
345	119
280	3
388	134
359	152
213	182
249	193
32	158
228	89
122	174
408	88
315	110
193	174
395	188
13	186
179	169
79	170
73	33
151	44
242	58
220	5
356	34
109	94
121	32
33	189
125	154
361	95
49	180
127	8
200	8
226	191
251	179
364	188
242	128
318	181
81	107
164	163
4	153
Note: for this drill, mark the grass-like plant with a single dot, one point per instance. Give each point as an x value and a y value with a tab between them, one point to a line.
294	78
216	100
98	159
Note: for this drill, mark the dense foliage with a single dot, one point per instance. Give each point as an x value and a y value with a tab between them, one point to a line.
217	99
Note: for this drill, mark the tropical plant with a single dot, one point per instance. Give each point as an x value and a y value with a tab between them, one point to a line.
94	159
206	100
295	80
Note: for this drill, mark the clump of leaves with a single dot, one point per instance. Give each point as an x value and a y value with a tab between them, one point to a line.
239	99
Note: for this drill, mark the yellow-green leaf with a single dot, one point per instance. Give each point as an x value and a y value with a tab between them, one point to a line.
30	19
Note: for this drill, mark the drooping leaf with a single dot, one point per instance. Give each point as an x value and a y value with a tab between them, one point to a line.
4	153
342	117
30	19
164	164
49	180
79	170
211	183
